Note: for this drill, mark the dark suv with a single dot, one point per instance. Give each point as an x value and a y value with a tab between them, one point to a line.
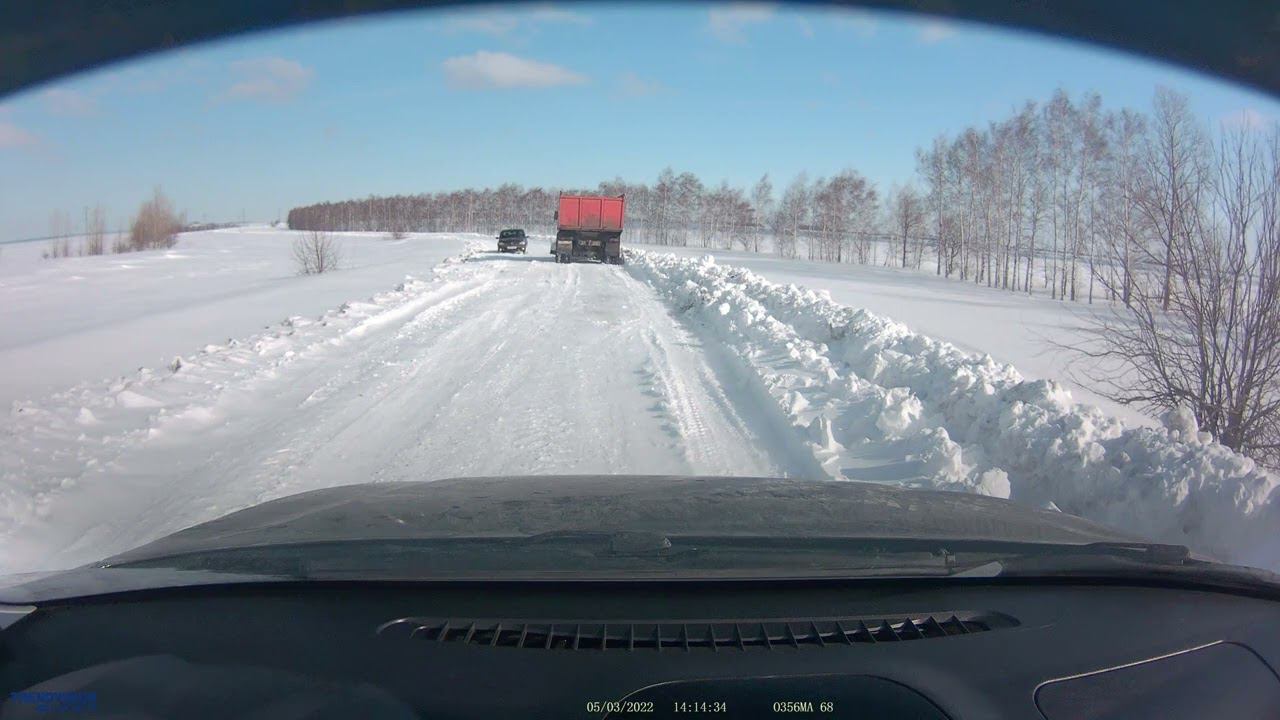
513	241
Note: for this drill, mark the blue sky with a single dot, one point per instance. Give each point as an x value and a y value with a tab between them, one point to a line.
539	95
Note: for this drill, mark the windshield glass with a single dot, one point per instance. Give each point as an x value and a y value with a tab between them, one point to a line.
828	246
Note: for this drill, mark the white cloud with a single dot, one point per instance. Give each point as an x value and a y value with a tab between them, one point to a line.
272	79
68	102
500	23
934	31
12	136
1247	119
499	70
632	85
729	22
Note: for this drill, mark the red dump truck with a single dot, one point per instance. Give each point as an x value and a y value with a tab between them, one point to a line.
589	227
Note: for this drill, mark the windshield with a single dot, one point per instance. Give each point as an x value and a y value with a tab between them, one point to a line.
814	245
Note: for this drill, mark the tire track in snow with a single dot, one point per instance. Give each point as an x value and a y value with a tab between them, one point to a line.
690	395
325	448
773	383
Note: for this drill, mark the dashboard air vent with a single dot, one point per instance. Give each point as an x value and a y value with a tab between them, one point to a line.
687	635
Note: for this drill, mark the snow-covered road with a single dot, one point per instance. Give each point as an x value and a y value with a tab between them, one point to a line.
515	365
498	365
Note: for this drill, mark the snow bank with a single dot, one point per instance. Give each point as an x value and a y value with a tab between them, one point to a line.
1012	327
876	401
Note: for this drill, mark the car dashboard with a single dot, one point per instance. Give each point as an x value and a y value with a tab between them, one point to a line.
955	650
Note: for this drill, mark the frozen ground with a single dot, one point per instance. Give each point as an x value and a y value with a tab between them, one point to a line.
480	364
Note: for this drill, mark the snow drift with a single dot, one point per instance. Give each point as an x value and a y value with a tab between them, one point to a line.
876	401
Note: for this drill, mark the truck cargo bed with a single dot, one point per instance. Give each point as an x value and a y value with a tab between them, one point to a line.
589	227
587	212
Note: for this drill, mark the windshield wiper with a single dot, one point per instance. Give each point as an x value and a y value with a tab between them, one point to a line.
1158	553
1132	562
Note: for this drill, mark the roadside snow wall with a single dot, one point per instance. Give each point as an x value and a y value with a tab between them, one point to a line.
878	402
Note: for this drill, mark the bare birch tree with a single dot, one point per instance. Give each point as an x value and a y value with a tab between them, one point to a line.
1174	179
907	218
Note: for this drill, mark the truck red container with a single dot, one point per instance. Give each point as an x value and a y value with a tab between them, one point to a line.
587	212
589	227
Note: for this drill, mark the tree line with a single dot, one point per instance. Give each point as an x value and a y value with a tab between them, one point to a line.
1062	196
832	219
1067	196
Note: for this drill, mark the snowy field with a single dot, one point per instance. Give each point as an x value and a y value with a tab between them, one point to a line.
82	318
481	364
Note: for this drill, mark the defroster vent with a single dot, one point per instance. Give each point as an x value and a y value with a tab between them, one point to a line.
689	635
